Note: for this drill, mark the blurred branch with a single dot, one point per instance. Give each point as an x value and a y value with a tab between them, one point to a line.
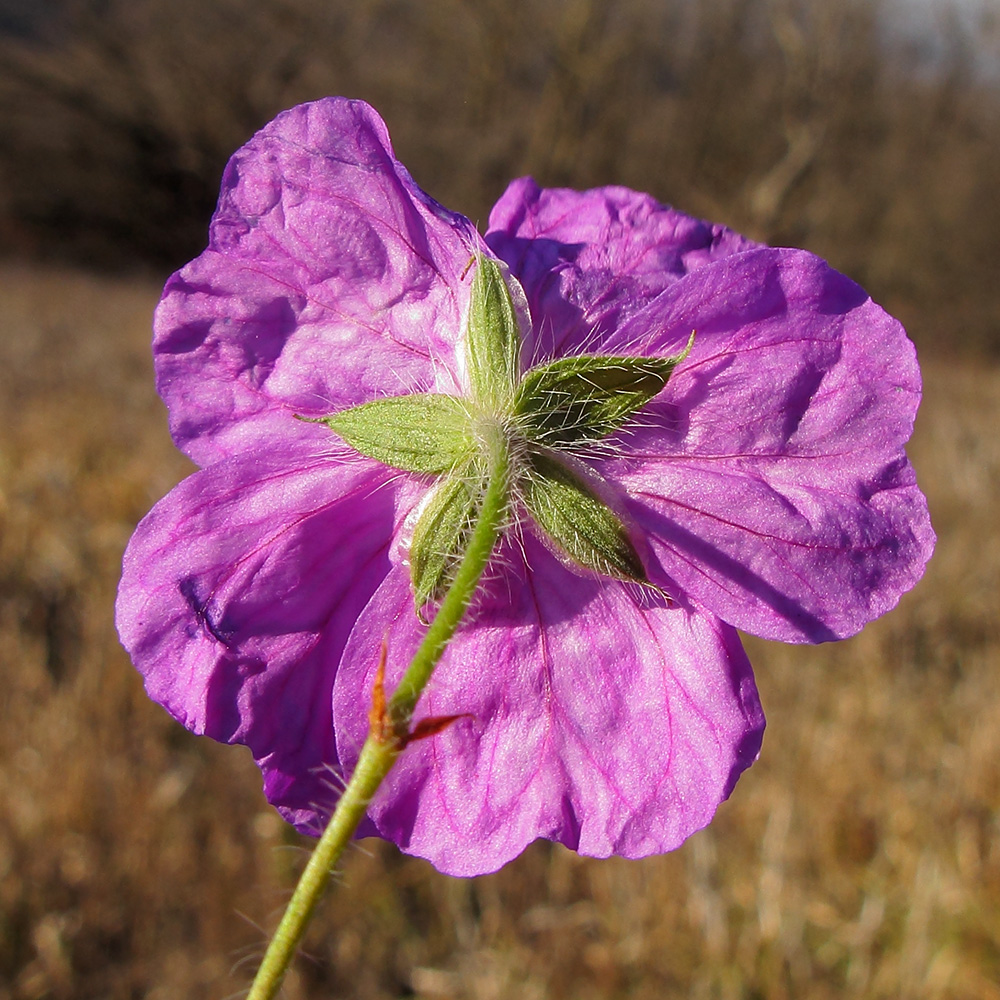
770	194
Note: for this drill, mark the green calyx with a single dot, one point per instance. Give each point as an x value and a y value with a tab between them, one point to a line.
442	532
576	401
493	341
521	434
581	525
425	432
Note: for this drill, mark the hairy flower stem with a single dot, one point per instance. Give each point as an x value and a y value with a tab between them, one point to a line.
379	754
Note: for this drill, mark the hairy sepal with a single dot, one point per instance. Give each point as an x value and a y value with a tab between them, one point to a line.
441	534
578	400
494	341
425	432
577	521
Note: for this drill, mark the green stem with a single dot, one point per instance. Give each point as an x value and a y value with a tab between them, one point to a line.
378	755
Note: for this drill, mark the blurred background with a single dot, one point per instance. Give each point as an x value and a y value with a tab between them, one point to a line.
860	857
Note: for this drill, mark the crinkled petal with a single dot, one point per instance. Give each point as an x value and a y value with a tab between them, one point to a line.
239	591
610	727
588	260
330	279
769	475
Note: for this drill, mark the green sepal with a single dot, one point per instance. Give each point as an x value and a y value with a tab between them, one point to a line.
493	344
425	432
575	401
441	534
581	525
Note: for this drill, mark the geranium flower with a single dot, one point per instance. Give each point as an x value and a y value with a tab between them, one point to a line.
755	481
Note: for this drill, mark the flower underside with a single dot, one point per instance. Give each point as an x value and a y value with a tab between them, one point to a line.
537	422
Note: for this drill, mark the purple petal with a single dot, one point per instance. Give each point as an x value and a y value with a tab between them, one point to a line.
588	260
770	474
608	726
330	279
239	591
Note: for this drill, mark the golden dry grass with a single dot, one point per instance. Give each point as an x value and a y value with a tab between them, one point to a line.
859	858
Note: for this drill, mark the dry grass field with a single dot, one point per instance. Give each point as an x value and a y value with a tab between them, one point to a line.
859	858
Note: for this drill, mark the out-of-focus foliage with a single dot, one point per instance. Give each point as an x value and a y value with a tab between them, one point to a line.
792	120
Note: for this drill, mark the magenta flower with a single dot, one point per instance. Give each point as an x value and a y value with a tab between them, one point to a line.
758	482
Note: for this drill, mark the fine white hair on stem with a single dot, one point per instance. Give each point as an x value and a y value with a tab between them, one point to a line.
519	523
249	953
332	780
356	845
